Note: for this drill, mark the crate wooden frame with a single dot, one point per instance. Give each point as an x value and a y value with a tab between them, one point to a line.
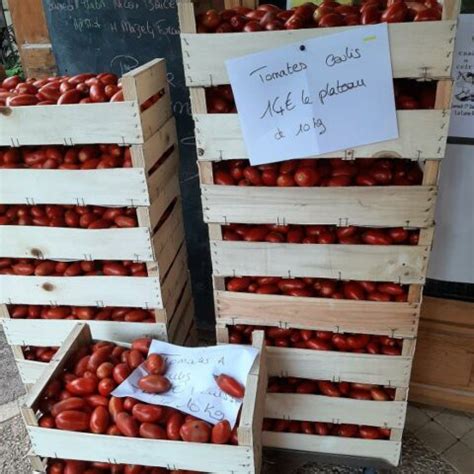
219	136
203	457
393	371
120	122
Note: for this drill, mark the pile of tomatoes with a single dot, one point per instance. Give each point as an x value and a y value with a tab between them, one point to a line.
330	13
318	340
80	400
37	267
39	354
68	466
83	313
357	391
325	429
320	172
85	157
85	217
409	95
78	89
319	234
319	288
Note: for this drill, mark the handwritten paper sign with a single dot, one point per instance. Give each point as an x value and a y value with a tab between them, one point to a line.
317	96
191	373
462	113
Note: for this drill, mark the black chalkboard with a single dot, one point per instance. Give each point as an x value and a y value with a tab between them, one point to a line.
119	35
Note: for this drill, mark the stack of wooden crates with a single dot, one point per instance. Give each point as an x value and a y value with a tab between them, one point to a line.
150	185
422	51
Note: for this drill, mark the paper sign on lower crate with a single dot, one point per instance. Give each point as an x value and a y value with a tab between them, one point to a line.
305	99
191	372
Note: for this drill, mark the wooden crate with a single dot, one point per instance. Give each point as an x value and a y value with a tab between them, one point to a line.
245	457
422	133
115	122
175	324
393	371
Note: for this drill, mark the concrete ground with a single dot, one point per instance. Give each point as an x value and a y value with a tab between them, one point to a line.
435	441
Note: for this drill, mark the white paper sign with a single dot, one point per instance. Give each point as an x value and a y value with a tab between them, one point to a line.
317	96
191	373
462	113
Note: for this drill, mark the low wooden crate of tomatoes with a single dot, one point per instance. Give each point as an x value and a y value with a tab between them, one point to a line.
82	287
36	331
333	393
240	30
71	413
85	108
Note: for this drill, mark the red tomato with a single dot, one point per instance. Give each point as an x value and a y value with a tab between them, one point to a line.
306	176
72	420
152	431
154	384
126	424
147	413
238	284
195	431
72	403
347	431
100	420
353	291
173	426
318	344
328	388
221	432
230	386
82	386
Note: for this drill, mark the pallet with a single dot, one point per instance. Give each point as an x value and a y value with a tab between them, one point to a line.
117	122
422	133
246	457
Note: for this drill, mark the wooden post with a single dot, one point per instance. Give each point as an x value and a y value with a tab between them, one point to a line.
32	36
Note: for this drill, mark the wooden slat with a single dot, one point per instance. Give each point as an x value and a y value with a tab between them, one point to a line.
158	180
115	122
149	452
48	332
389	206
422	134
339	366
411	48
138	292
397	263
75	244
183	317
30	370
145	81
175	280
168	239
150	216
366	448
78	337
146	155
295	406
326	314
453	398
125	187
